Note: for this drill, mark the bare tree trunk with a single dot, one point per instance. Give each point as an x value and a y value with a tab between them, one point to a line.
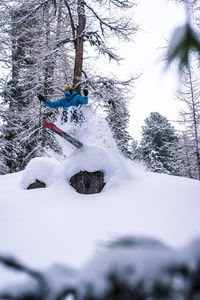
47	80
188	163
14	95
79	46
49	71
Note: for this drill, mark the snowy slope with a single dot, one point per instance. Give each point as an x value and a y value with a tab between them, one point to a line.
56	224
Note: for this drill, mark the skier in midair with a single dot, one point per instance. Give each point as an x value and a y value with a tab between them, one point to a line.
71	99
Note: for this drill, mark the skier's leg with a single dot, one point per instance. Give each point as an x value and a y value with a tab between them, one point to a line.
64	117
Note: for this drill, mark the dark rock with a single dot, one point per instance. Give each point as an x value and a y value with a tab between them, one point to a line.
86	182
36	185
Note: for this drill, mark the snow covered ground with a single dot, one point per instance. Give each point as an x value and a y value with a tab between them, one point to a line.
42	227
57	225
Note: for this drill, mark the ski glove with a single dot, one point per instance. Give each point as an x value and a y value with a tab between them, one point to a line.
85	92
41	98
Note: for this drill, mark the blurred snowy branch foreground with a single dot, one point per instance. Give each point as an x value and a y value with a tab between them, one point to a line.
128	268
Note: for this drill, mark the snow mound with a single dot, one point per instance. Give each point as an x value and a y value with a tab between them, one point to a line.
91	159
41	168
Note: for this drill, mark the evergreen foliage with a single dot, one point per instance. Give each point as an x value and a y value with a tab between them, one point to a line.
118	119
158	144
110	95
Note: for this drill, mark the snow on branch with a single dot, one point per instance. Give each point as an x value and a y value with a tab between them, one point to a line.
33	11
71	20
125	4
44	286
121	27
11	262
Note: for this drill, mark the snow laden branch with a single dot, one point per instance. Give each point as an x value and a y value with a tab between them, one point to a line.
118	3
33	10
96	40
123	4
10	262
128	268
73	27
110	95
122	27
43	289
101	85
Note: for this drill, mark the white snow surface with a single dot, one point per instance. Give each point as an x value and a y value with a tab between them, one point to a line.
40	168
43	227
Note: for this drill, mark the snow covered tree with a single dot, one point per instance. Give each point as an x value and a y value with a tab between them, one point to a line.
110	95
136	150
185	46
189	95
42	48
118	119
17	87
185	156
22	51
95	26
90	24
158	144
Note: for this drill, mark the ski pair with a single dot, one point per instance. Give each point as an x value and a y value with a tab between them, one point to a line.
63	134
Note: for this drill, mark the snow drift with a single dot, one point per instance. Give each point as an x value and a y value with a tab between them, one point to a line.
89	158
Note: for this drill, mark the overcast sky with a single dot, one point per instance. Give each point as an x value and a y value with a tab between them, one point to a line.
155	90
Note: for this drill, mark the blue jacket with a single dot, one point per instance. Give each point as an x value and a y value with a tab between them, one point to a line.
71	100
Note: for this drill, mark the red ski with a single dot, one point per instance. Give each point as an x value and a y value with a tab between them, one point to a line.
63	134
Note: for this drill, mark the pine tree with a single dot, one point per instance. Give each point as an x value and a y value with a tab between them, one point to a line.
118	119
158	144
136	151
110	96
